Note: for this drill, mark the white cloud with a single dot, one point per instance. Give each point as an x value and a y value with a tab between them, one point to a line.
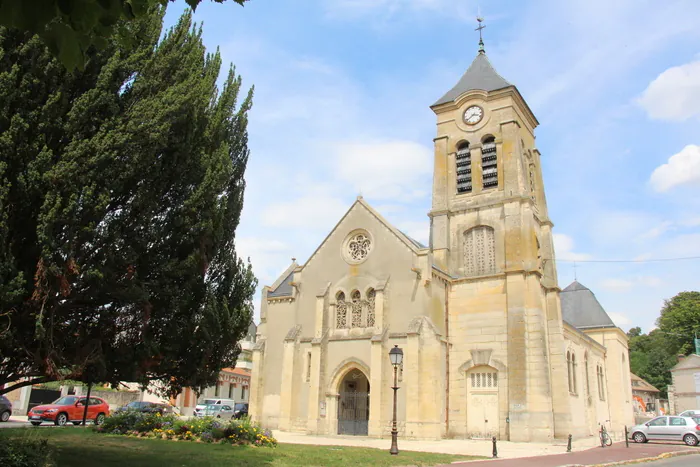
620	319
398	170
618	285
417	230
657	231
674	94
681	169
563	247
265	255
307	212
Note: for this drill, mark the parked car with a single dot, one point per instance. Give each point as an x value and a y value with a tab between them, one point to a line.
146	407
240	410
199	408
667	428
690	413
5	409
70	409
218	411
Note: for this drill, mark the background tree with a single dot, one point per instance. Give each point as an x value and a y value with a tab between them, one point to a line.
680	321
70	27
653	355
121	186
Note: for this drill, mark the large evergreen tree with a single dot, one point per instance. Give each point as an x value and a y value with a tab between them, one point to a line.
70	27
121	187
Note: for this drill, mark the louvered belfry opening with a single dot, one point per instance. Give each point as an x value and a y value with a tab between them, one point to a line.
463	161
489	163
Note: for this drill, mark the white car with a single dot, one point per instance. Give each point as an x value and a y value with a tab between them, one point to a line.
673	428
200	408
690	413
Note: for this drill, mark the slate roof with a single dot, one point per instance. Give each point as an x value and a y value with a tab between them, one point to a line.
284	289
480	75
413	240
639	384
581	309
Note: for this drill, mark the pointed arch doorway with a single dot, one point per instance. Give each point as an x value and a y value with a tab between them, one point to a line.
353	404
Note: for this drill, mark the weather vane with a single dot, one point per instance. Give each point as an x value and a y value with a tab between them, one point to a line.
480	19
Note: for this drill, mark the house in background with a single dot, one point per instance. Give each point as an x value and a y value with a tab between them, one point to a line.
684	393
233	383
646	398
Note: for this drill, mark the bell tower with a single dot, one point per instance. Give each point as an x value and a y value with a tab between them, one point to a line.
486	161
490	230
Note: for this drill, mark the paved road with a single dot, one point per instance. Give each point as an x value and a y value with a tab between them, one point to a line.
615	453
681	461
22	422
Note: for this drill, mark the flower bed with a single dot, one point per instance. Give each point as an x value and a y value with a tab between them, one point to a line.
202	430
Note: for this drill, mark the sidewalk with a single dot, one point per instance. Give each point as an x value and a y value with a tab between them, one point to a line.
468	447
590	457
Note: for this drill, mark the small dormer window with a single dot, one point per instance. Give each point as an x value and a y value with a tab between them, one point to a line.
463	162
489	163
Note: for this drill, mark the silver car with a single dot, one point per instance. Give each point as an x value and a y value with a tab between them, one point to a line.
665	428
219	411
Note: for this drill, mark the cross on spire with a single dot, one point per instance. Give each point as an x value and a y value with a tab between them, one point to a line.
481	39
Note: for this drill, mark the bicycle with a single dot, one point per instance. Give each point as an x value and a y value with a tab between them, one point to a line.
605	439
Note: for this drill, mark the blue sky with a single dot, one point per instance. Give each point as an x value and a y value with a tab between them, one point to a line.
341	107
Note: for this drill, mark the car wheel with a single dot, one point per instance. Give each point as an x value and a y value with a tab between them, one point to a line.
36	423
639	437
5	416
100	419
61	419
690	440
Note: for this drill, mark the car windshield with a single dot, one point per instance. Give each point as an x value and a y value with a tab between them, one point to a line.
239	407
66	400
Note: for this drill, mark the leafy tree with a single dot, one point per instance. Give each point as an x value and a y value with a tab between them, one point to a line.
121	187
70	27
650	358
680	321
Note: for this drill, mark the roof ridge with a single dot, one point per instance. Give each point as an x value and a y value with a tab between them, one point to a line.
481	75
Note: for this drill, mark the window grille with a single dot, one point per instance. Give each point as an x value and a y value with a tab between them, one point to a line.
371	295
479	251
484	380
356	309
489	163
341	311
463	161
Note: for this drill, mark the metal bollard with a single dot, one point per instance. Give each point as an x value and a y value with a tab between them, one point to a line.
495	450
627	437
568	446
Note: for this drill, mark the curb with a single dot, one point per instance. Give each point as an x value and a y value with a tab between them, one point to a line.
665	455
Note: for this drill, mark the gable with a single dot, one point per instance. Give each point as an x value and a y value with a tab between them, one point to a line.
692	361
361	207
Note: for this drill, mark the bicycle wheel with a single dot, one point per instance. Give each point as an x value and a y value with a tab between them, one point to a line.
607	440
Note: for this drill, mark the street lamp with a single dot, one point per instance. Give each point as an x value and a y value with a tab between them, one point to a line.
396	357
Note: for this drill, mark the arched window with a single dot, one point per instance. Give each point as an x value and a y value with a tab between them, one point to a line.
489	163
463	161
568	370
356	309
371	295
341	311
479	251
601	383
574	384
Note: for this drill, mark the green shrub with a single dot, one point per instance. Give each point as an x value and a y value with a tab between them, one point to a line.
29	451
130	420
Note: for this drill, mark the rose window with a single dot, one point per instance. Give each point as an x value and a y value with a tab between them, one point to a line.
359	247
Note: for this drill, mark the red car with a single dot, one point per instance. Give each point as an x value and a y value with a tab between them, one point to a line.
69	409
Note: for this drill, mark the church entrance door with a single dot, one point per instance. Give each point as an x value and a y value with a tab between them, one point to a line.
353	404
482	403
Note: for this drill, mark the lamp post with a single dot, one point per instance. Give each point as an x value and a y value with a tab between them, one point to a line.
396	357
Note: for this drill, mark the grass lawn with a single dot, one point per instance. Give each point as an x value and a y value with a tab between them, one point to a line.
79	446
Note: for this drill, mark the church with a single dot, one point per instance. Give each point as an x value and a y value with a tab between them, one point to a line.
492	346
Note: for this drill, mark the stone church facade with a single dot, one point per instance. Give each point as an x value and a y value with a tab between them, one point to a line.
492	346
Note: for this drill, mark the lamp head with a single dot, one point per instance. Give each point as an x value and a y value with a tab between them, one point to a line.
396	356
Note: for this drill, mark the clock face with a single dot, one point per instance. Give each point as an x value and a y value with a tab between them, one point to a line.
473	115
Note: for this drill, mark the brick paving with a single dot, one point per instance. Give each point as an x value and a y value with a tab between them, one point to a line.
615	453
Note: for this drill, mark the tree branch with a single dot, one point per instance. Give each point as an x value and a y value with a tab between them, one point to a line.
41	379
